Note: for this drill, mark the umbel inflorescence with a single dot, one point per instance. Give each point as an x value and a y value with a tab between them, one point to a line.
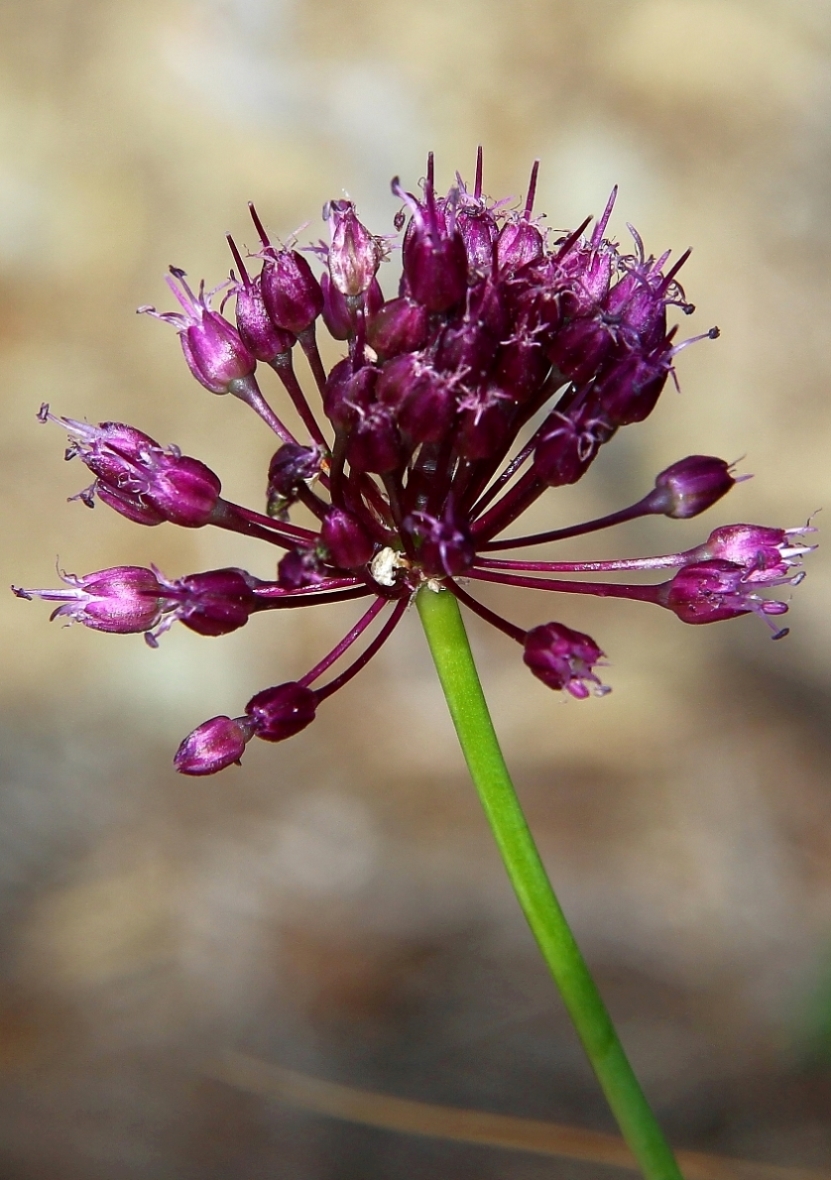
507	358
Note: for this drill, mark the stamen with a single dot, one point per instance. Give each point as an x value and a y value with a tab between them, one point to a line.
238	260
532	191
258	225
600	228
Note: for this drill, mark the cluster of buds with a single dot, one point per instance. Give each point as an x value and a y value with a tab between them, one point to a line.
412	471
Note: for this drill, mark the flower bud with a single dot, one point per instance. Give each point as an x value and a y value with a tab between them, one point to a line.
423	401
355	254
217	602
291	293
399	326
468	348
281	712
374	444
300	568
444	543
484	424
569	445
262	338
426	414
337	315
348	394
580	347
213	745
521	367
435	259
691	486
519	242
291	467
479	232
564	659
346	539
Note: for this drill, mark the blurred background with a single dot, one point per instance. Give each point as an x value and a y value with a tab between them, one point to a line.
336	905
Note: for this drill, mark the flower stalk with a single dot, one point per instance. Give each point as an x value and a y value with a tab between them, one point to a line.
449	646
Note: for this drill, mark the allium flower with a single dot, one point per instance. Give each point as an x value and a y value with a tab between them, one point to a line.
411	464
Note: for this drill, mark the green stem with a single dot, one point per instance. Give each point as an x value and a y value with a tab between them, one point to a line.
447	638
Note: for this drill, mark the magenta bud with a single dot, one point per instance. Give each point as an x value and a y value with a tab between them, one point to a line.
398	378
588	272
579	348
300	568
214	350
337	315
564	659
292	466
521	367
398	326
479	232
467	347
435	258
217	602
444	543
355	254
437	271
374	444
112	451
213	745
281	712
291	293
424	401
426	414
122	600
348	394
519	242
630	389
262	338
216	354
691	486
638	304
484	424
184	490
569	445
347	541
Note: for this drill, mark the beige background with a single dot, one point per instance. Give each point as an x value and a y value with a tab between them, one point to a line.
336	904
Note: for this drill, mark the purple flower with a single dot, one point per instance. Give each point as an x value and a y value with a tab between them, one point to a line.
139	478
562	658
214	350
497	370
121	600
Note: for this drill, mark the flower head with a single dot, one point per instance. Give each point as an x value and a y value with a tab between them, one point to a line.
407	455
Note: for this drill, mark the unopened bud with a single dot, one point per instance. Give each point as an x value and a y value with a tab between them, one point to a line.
346	539
281	712
691	486
213	745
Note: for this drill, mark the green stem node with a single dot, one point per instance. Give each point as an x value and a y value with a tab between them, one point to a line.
448	642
